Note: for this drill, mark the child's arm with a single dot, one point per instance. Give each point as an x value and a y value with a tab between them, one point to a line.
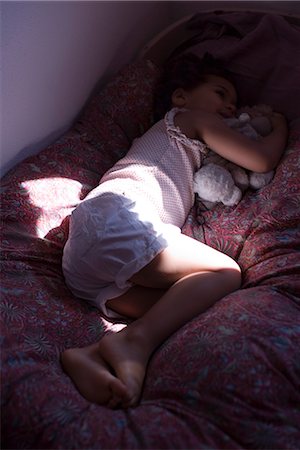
259	156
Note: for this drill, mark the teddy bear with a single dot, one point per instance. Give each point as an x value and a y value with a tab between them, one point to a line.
219	180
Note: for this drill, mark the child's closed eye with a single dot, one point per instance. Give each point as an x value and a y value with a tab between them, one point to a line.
221	93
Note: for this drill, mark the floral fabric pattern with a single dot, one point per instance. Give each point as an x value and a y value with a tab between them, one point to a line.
228	379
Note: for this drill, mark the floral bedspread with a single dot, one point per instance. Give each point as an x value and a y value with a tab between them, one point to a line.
228	379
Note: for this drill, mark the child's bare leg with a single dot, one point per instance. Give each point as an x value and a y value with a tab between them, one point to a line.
198	276
136	301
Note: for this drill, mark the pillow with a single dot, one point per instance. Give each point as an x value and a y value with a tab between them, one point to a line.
127	100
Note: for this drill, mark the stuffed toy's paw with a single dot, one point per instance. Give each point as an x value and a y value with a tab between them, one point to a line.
260	180
214	183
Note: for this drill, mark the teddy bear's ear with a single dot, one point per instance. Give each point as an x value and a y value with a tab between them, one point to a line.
244	117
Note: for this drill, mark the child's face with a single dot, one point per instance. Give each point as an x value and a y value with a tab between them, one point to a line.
215	95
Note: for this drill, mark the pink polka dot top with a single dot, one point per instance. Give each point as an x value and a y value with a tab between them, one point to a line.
159	169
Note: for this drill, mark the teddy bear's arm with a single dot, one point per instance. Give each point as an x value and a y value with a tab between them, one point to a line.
260	180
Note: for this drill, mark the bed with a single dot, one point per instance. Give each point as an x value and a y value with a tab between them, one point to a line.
231	377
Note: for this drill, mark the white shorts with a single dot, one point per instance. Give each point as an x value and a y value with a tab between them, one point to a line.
111	238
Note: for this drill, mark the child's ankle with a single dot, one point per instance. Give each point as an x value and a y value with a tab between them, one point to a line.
137	334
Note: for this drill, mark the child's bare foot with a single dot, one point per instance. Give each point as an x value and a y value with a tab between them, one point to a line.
92	376
110	372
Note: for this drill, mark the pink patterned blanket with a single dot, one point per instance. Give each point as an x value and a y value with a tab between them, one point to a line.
228	379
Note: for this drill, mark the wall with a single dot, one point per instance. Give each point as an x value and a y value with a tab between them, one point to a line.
183	8
53	54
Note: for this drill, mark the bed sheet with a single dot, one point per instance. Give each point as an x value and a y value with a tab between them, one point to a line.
228	379
261	50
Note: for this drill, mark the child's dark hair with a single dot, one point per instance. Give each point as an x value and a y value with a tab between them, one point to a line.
186	71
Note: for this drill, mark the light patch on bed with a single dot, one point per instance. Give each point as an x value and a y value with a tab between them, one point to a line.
49	192
53	199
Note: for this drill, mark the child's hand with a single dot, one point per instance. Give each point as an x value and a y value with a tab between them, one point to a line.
278	121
